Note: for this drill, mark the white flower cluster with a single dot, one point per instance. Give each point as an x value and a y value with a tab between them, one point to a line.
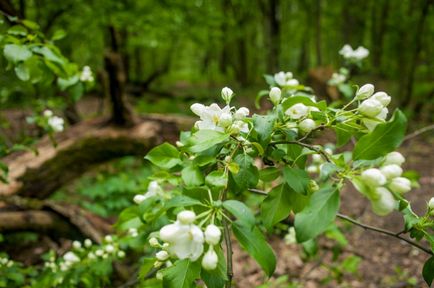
86	75
4	261
285	79
354	55
431	203
133	232
339	77
384	180
302	115
154	189
185	240
374	106
56	123
86	251
226	119
290	238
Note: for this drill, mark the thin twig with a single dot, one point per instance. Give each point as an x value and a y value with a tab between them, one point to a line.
385	232
227	237
418	132
308	146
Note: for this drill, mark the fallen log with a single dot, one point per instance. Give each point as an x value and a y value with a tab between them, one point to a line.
82	146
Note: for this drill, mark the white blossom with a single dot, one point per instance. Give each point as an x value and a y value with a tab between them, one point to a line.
70	257
210	260
109	248
186	217
431	203
370	107
108	238
290	238
394	158
48	113
212	234
400	185
354	55
391	171
241	113
76	245
382	97
297	111
373	177
87	243
365	91
133	232
154	242
56	123
210	116
275	95
86	75
285	79
121	254
385	203
227	94
307	125
292	82
162	255
154	189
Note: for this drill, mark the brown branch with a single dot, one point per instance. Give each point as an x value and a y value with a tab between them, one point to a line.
418	132
385	232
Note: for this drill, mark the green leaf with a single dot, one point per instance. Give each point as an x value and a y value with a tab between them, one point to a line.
261	94
318	214
165	156
263	125
297	179
253	241
306	100
276	206
205	139
217	178
385	138
182	274
240	211
58	34
16	53
181	201
269	174
192	176
247	176
22	72
428	271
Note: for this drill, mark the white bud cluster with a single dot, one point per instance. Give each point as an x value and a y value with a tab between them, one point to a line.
185	240
285	79
154	189
381	181
302	116
318	160
290	238
354	55
55	123
226	119
86	75
374	107
6	262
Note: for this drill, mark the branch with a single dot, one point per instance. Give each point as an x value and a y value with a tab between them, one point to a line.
418	132
308	146
385	232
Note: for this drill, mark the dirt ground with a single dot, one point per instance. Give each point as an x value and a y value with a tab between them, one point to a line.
386	261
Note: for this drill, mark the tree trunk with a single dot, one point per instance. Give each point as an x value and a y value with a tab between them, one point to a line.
318	32
274	35
121	112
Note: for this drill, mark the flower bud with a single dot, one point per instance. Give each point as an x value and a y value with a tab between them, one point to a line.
162	255
154	242
210	260
400	185
312	169
242	113
108	238
159	275
394	158
186	217
373	177
87	243
76	245
297	111
431	203
227	94
225	120
391	171
370	107
139	198
385	202
307	125
48	113
109	248
316	158
365	91
197	108
212	234
383	114
121	254
275	95
292	82
99	252
382	97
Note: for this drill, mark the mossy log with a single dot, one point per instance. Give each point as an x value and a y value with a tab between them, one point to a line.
80	147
